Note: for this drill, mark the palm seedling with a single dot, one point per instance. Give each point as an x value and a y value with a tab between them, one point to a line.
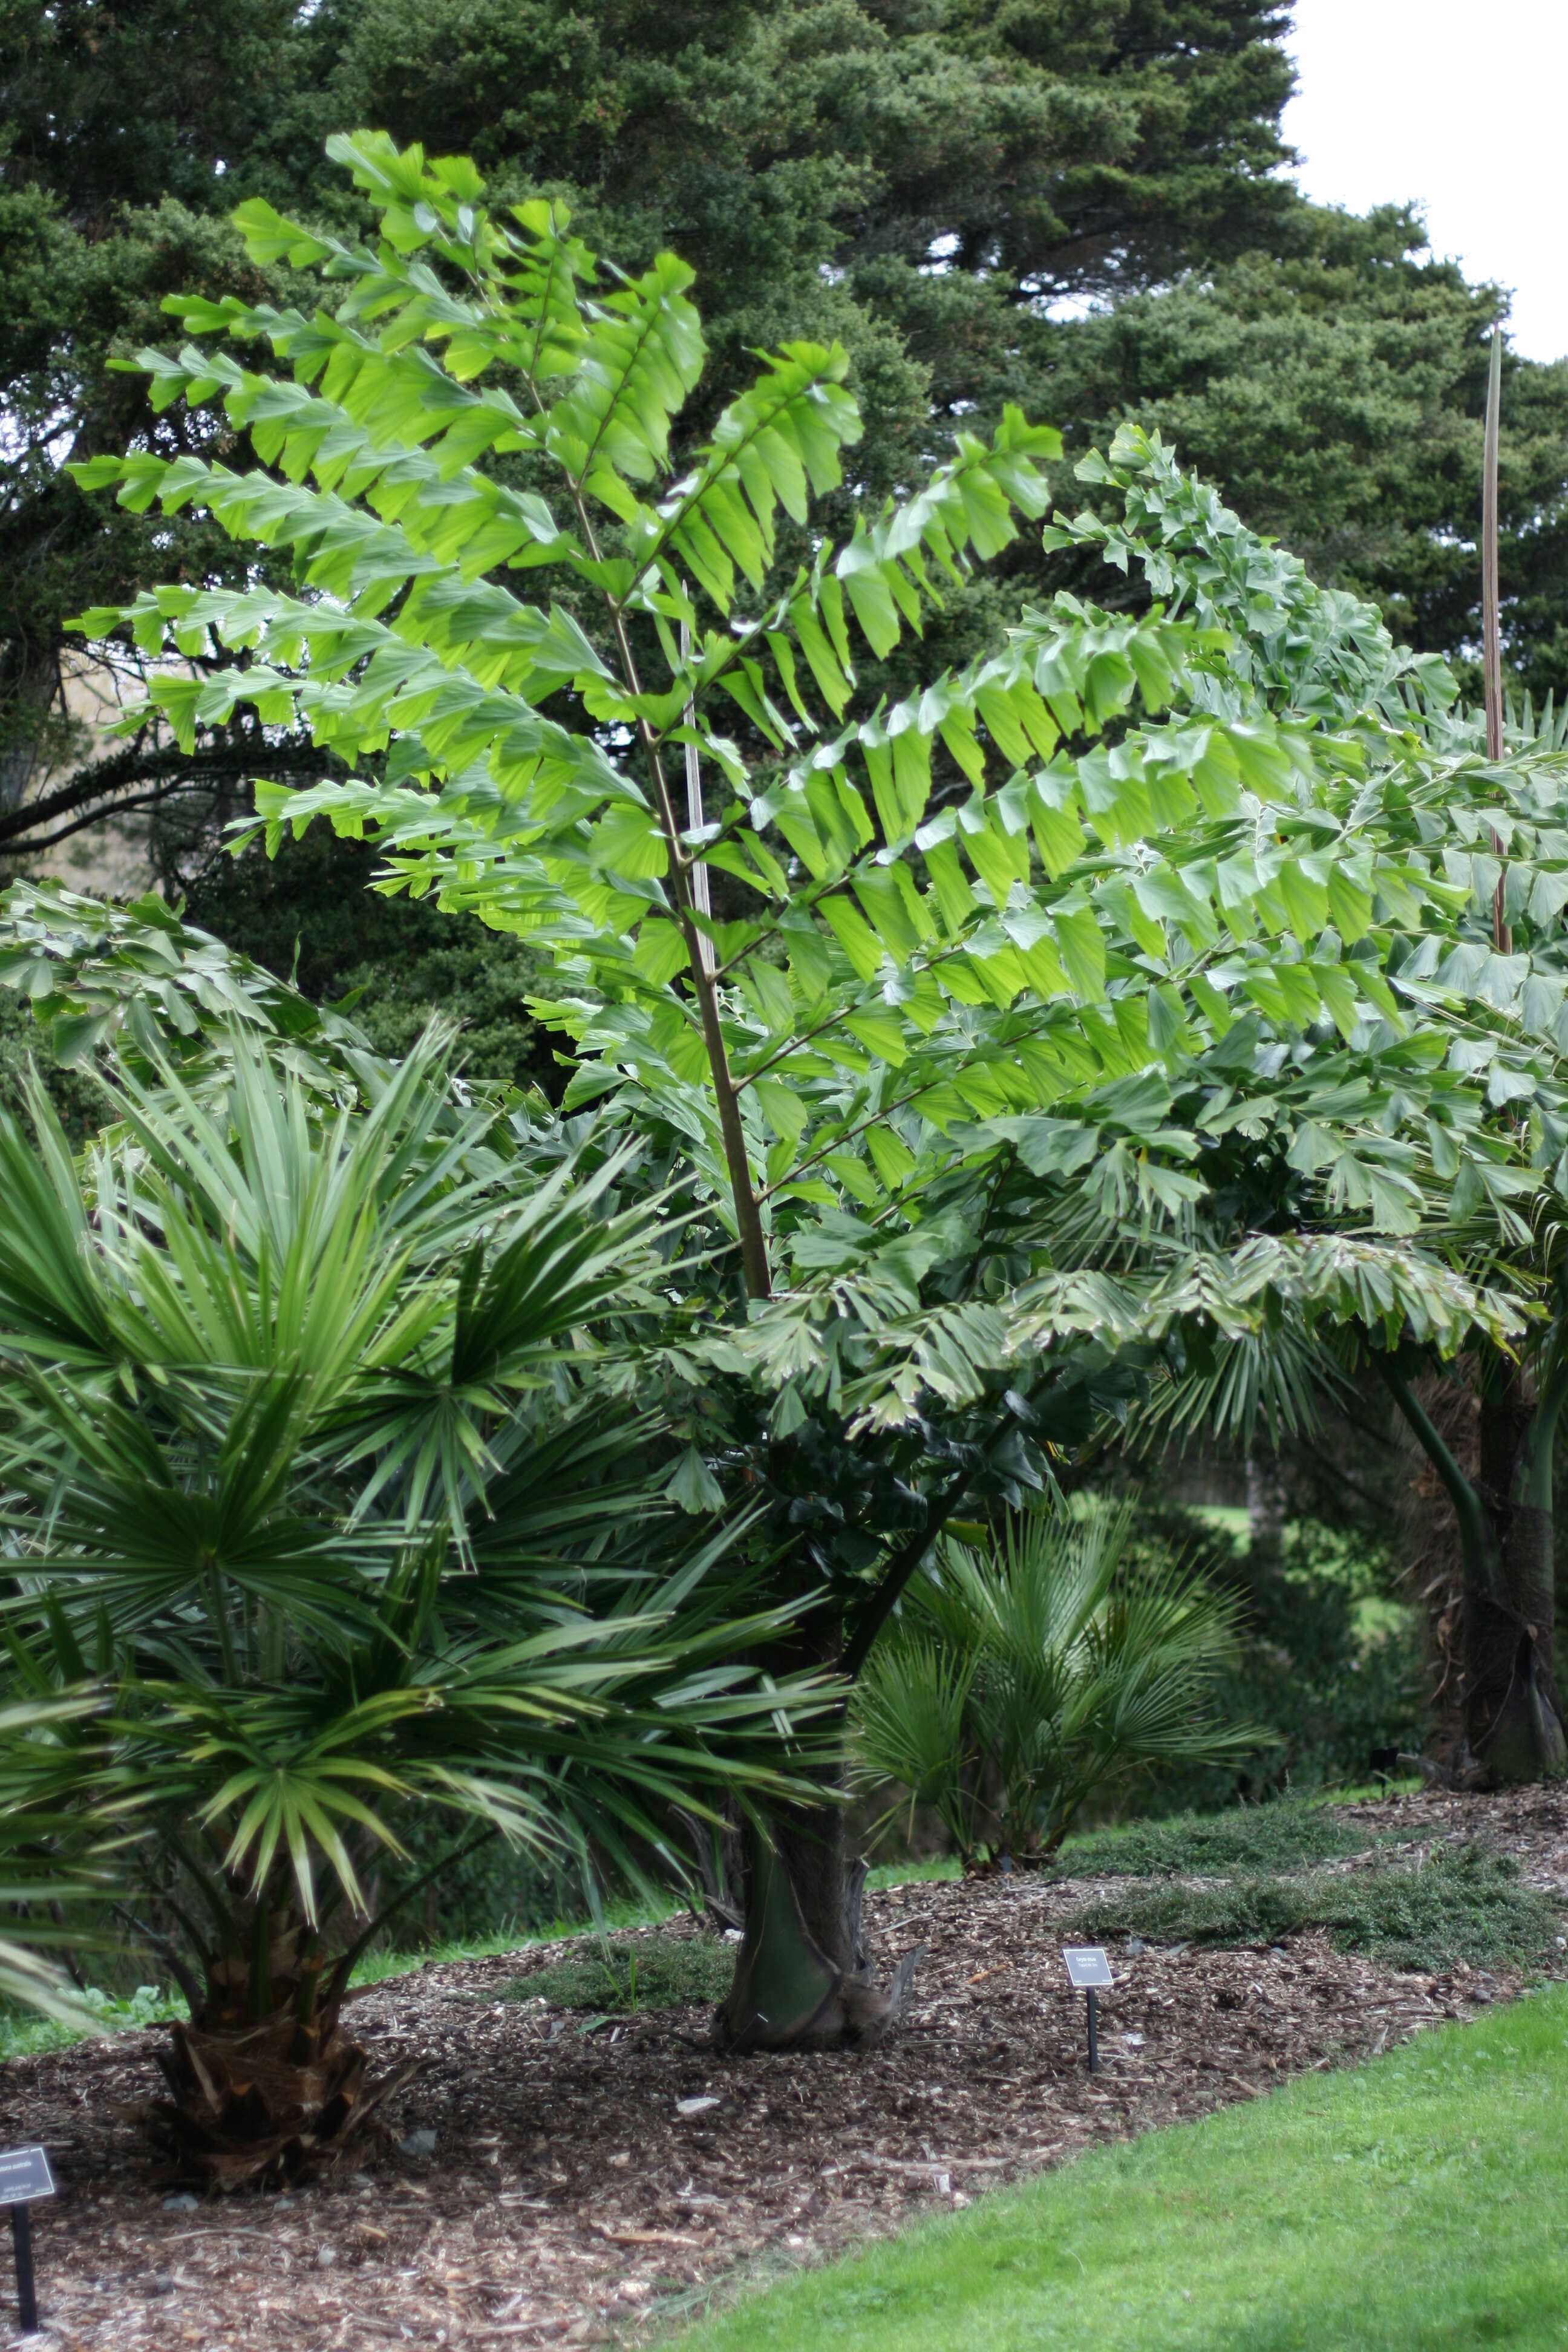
310	1506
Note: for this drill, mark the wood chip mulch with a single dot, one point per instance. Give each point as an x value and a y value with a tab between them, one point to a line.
567	2199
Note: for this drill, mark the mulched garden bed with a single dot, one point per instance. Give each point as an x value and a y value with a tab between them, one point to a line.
565	2197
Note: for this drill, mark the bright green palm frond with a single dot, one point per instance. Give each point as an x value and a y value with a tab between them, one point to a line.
555	1266
49	1302
1155	1651
1053	1572
910	1725
1260	1383
1069	1666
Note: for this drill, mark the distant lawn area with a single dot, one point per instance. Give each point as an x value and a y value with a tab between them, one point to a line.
1418	2204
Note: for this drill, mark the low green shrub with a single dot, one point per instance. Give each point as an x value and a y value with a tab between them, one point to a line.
1459	1904
1272	1837
654	1972
23	2032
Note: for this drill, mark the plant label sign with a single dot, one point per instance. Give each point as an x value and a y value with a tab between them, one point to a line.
24	2176
1088	1971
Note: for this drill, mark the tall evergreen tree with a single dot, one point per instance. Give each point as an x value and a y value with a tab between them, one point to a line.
936	183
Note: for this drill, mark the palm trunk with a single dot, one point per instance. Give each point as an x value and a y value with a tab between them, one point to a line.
1266	1507
803	1976
263	2083
1512	1712
1511	1696
1435	1570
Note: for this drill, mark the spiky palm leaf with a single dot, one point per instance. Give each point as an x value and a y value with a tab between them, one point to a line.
302	1480
1018	1682
53	1855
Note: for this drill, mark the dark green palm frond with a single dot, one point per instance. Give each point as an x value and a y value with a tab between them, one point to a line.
56	1857
1259	1385
1020	1680
299	1480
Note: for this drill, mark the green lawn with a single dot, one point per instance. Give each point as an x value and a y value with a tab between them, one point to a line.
1419	2203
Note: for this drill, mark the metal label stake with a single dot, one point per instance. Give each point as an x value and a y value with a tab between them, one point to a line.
1089	1971
25	2176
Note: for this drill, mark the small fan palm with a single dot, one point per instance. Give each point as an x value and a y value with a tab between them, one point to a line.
1019	1683
308	1509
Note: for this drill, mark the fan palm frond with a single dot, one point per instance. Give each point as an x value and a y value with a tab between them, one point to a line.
1020	1681
303	1487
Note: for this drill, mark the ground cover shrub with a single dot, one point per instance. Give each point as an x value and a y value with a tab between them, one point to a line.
1272	1837
1457	1904
23	2032
618	1980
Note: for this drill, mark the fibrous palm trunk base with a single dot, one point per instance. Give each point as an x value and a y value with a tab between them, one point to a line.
1514	1711
1516	1691
264	2101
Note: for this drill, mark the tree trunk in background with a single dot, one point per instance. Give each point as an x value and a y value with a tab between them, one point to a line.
1266	1507
1513	1713
1435	1568
1496	1483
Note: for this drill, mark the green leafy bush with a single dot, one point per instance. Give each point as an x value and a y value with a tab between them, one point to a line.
23	2032
1272	1837
80	1101
308	915
654	1972
1457	1904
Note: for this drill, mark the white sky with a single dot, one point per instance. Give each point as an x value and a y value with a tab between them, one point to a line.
1460	109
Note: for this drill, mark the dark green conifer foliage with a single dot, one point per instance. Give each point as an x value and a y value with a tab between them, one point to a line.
928	181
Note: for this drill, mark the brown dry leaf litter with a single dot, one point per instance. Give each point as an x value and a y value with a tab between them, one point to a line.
568	2200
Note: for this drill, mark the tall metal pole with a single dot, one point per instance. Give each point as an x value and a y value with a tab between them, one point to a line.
26	2293
1491	633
